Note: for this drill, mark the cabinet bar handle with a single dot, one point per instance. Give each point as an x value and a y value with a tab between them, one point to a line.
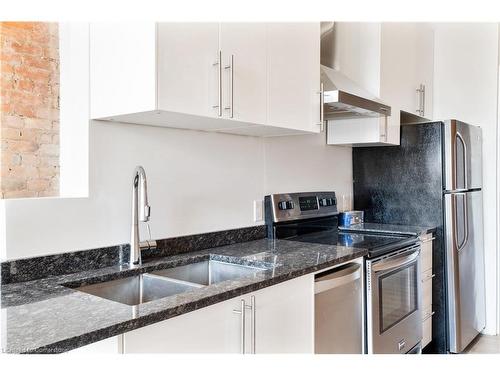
428	316
252	322
429	278
242	325
422	87
218	63
231	80
321	108
429	240
421	100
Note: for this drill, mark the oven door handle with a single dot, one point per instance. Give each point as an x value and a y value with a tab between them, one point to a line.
396	262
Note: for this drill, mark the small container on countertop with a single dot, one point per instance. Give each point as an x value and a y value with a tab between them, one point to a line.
348	218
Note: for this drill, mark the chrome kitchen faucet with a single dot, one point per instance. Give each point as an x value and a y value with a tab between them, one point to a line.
141	211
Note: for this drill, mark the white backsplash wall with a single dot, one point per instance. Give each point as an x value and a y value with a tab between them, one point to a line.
197	182
307	163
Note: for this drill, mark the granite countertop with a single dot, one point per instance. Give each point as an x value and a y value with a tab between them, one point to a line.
411	230
44	316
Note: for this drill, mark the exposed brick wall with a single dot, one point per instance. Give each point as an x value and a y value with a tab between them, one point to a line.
29	112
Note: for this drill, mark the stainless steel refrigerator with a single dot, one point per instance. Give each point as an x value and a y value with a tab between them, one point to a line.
434	178
463	213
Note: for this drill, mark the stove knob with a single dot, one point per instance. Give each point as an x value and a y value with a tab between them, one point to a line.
289	205
282	205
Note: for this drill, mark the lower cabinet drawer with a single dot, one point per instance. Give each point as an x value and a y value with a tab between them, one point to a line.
427	331
426	252
426	294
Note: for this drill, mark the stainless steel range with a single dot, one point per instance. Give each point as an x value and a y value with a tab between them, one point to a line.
392	267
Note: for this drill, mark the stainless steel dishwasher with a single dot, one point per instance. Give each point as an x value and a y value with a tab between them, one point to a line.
339	310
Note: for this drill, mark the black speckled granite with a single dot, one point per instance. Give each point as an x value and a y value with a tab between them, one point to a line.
27	269
403	185
45	316
409	230
185	244
19	270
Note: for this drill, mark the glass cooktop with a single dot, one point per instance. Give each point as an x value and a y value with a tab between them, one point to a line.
375	244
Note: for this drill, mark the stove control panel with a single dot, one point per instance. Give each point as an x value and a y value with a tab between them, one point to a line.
286	205
295	206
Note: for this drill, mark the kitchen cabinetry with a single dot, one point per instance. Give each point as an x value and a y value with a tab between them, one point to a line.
243	47
186	76
294	75
426	276
282	314
406	68
240	78
112	345
396	64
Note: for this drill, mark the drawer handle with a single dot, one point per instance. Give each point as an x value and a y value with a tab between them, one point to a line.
429	278
428	316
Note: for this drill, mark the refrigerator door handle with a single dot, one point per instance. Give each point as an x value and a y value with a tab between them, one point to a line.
465	220
465	160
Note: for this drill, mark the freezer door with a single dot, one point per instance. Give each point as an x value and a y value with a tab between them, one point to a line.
462	156
465	268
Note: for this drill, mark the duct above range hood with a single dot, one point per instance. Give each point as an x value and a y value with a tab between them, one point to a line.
342	97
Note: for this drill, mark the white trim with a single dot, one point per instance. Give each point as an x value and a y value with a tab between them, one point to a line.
497	328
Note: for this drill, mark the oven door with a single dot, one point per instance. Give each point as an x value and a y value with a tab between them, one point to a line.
394	321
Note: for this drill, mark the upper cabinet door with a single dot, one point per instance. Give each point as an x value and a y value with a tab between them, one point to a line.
425	66
187	76
398	82
293	58
243	47
407	60
122	68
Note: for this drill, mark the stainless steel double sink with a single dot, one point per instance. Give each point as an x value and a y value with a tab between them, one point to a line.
146	287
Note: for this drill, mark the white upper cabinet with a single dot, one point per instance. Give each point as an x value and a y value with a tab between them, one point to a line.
208	76
394	61
122	68
407	59
243	47
187	78
293	53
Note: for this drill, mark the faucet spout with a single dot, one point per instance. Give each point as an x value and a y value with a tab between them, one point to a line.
141	211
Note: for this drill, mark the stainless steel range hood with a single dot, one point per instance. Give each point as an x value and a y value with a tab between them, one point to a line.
343	98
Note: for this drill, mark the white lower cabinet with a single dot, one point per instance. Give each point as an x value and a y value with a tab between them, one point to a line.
112	345
213	329
426	277
283	316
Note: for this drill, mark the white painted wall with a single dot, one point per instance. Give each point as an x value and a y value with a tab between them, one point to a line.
74	108
466	88
197	181
307	163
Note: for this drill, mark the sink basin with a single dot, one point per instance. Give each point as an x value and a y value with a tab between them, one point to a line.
136	289
208	272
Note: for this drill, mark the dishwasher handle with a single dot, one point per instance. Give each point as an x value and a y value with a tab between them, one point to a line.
337	277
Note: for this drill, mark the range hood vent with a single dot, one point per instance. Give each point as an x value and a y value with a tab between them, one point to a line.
343	98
